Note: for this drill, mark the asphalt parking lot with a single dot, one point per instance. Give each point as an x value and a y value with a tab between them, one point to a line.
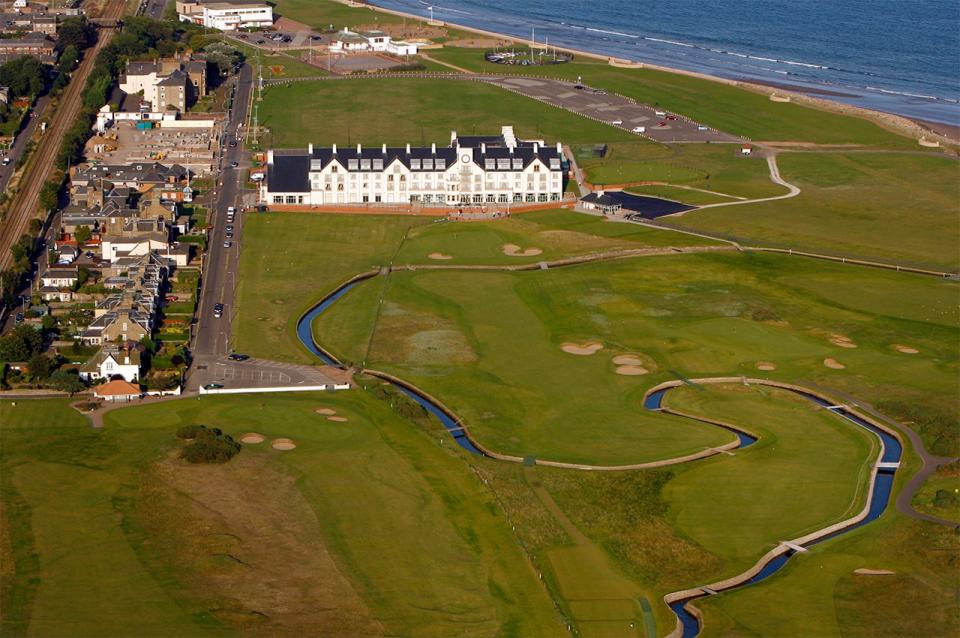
615	110
260	373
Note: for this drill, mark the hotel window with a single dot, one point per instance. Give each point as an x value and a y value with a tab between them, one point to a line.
414	198
536	168
517	198
352	164
502	198
278	199
542	197
415	164
555	164
517	164
333	169
390	179
489	164
554	197
428	164
365	165
291	199
531	197
365	199
478	199
376	198
378	164
503	164
491	198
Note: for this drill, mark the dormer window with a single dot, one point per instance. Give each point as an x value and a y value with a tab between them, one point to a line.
441	164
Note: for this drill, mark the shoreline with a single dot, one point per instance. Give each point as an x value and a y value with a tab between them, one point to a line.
943	133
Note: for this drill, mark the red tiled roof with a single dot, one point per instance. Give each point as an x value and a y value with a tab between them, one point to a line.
118	387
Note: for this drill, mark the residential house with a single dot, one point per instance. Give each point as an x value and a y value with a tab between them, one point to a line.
38	45
113	361
57	284
168	84
347	41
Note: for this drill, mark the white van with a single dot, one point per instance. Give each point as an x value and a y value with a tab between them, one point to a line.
639	129
661	113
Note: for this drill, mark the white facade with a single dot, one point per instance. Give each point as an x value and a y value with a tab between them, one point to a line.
114	364
467	173
375	41
227	16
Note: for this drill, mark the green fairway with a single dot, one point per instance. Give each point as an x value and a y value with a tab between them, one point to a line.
290	261
397	111
114	536
466	336
721	106
716	167
886	207
322	13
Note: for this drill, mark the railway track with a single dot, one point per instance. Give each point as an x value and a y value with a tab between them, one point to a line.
41	166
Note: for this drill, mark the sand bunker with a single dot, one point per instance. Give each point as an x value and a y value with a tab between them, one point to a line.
766	365
842	341
515	251
283	444
439	256
583	349
628	360
252	437
865	571
338	419
325	411
631	370
906	349
834	364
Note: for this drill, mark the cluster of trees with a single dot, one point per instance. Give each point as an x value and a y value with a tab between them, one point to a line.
207	445
24	343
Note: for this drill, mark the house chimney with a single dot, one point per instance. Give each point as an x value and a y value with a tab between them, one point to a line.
270	156
408	148
453	137
536	148
559	149
359	148
383	149
483	147
433	148
510	148
310	148
334	149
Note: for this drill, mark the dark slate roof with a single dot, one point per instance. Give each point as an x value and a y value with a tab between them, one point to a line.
290	172
449	154
600	200
176	78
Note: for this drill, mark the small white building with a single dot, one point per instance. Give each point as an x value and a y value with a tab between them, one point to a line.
347	41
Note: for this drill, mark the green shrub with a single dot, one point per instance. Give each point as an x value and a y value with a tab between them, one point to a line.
209	445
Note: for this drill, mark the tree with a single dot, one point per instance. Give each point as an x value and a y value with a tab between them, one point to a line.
40	366
50	194
75	32
22	343
49	324
66	381
83	234
36	225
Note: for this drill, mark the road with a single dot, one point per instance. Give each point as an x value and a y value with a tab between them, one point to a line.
25	202
154	8
20	144
219	279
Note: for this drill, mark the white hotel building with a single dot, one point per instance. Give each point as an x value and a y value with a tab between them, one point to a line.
470	171
226	15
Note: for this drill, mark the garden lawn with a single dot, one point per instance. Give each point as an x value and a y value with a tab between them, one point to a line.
401	110
718	105
466	336
885	207
108	544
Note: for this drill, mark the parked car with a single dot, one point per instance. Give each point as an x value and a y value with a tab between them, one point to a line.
213	386
261	41
639	129
229	235
661	113
218	310
671	117
231	210
617	122
234	164
703	128
227	244
229	229
238	357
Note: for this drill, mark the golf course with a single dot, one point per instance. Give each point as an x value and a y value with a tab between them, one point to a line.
739	420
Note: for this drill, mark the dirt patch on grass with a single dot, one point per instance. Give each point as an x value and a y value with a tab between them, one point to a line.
512	250
833	364
582	349
283	444
842	341
631	370
247	549
252	438
338	419
439	256
766	365
905	349
440	346
325	411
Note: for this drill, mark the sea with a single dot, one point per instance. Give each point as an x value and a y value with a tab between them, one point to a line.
898	56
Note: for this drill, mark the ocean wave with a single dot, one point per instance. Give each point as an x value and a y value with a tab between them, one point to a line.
626	35
674	42
806	64
904	93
